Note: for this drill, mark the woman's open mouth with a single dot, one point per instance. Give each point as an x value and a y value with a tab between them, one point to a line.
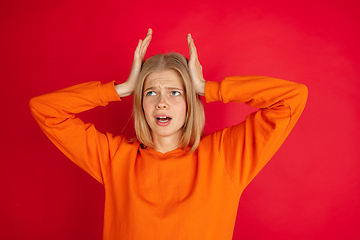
163	120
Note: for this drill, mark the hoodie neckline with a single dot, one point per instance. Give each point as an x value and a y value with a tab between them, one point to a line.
178	152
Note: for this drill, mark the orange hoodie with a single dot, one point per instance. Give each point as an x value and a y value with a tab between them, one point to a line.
150	195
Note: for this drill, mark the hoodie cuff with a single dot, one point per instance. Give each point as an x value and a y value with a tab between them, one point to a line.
212	91
107	92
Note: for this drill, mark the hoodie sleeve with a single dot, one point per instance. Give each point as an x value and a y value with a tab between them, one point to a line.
82	143
248	146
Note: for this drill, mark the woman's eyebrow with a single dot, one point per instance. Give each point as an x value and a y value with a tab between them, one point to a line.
175	88
170	88
149	88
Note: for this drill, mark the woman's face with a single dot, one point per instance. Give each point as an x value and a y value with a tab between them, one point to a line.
164	104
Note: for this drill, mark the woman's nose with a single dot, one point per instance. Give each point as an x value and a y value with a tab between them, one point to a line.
162	104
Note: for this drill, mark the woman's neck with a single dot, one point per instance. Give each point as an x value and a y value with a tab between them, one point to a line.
166	144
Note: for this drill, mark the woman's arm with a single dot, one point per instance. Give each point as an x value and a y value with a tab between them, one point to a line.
82	143
248	146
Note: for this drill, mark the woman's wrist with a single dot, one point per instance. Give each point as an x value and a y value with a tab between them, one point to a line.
123	89
200	90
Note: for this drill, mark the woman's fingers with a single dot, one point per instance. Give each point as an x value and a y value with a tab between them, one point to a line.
139	56
138	47
195	67
146	42
142	46
192	48
149	33
193	52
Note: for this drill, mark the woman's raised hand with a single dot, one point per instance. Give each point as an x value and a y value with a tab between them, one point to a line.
128	87
195	68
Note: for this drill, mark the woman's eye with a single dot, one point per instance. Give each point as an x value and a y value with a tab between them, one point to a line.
150	93
175	93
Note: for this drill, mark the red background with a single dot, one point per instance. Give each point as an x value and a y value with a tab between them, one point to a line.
309	190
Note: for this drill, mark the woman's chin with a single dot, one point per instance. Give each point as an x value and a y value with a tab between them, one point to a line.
166	133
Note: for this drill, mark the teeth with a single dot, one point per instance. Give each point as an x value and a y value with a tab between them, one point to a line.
163	119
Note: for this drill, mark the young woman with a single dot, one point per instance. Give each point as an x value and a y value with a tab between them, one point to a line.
172	183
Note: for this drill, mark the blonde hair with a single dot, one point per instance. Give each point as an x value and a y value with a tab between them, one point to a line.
195	117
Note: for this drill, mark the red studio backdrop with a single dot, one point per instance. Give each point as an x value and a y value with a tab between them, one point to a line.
309	190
